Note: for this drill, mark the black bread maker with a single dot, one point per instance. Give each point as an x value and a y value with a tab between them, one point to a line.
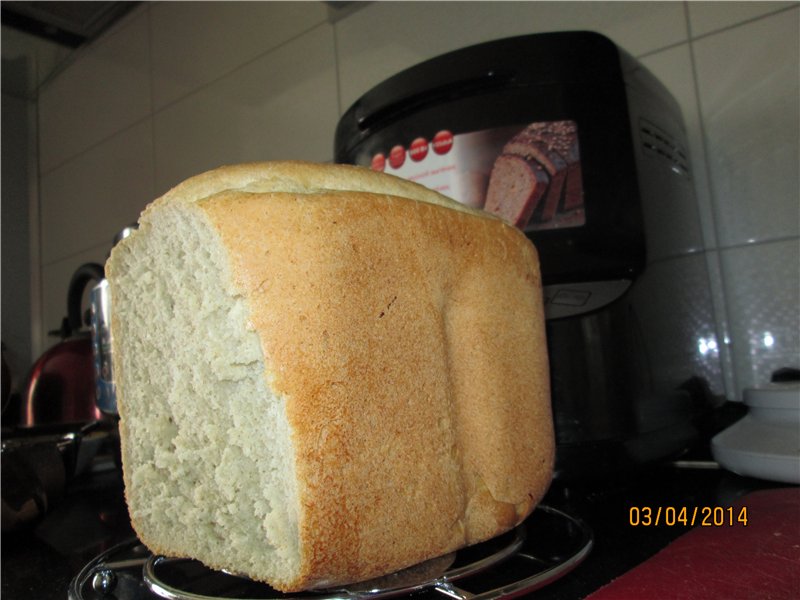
573	141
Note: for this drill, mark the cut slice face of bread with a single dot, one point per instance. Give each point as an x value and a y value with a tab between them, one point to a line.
208	456
326	374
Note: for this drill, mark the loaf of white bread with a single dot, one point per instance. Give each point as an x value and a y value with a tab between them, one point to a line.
326	374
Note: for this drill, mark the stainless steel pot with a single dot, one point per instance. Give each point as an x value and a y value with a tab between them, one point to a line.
106	393
100	299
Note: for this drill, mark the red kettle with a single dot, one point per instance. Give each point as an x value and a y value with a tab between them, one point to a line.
61	385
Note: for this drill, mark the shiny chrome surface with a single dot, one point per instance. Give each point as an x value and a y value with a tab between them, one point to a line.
106	392
546	547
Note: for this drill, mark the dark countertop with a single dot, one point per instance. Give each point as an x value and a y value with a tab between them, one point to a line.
620	546
40	561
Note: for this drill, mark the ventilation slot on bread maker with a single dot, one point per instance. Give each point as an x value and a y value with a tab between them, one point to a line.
661	145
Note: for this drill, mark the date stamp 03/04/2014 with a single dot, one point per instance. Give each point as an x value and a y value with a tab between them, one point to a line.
687	516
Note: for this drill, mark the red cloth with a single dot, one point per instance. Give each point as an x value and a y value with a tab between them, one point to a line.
759	561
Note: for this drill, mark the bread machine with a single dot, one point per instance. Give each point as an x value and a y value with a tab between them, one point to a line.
571	139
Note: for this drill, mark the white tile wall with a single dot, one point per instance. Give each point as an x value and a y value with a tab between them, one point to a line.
180	87
104	91
761	286
706	17
87	200
281	105
219	37
748	92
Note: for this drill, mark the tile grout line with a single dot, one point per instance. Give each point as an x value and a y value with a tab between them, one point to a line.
101	245
337	70
723	249
722	320
748	21
95	145
37	329
81	54
764	242
82	51
713	32
151	69
154	111
238	67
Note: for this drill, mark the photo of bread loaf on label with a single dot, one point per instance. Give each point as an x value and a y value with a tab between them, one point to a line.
535	182
326	374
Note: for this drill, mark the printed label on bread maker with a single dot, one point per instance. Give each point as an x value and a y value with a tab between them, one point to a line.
530	175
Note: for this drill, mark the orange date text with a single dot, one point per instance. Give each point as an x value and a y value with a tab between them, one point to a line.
687	516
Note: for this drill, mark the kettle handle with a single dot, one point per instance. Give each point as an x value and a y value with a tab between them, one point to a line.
85	273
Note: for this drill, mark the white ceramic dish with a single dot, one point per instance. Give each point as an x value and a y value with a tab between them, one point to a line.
765	443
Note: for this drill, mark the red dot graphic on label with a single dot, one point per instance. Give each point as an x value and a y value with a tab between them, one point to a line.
397	157
378	162
442	142
418	149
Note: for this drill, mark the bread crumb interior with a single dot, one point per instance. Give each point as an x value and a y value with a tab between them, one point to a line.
208	444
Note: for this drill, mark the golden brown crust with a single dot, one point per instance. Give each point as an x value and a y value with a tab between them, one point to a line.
407	333
409	340
303	177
